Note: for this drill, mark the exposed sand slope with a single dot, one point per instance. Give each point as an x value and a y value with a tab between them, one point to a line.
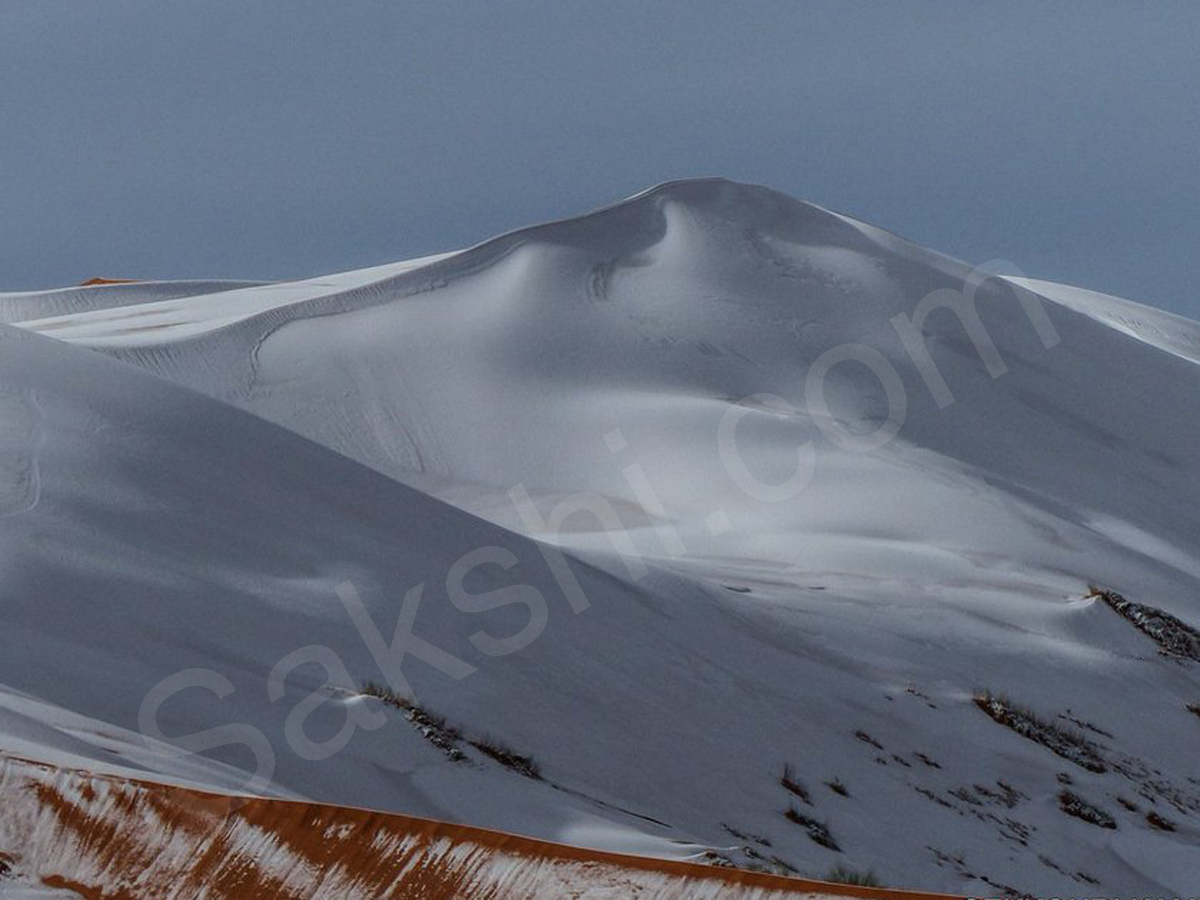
101	837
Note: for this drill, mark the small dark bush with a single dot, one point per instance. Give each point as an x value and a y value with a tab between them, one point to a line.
1174	636
507	757
746	835
431	726
928	760
1069	744
1074	805
838	787
842	875
817	831
387	695
867	739
787	780
1157	821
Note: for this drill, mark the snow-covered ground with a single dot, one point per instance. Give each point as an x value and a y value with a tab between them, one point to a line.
766	568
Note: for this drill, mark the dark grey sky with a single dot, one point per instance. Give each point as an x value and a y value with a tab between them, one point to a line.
283	139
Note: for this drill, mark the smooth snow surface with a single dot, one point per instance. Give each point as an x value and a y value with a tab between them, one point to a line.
169	314
1160	329
65	302
375	426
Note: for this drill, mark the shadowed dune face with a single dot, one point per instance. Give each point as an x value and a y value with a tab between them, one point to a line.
20	439
117	839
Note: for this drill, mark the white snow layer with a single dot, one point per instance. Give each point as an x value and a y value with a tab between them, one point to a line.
373	427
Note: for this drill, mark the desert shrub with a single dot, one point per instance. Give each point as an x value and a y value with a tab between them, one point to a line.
867	739
1157	821
1174	636
387	695
1074	805
817	831
431	726
788	781
843	875
507	757
838	787
928	760
1065	742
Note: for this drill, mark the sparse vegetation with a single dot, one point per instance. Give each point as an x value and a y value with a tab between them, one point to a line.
838	787
1194	708
817	831
1003	794
759	863
507	757
1173	636
788	781
867	739
746	835
1069	744
915	692
930	795
1084	724
1007	795
431	726
713	858
965	795
928	760
758	867
387	695
842	875
435	729
1074	805
1157	821
784	865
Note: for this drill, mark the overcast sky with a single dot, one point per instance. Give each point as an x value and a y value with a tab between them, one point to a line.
270	140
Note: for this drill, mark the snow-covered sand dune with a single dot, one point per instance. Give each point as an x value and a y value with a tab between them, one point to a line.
508	364
62	303
658	356
1156	327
